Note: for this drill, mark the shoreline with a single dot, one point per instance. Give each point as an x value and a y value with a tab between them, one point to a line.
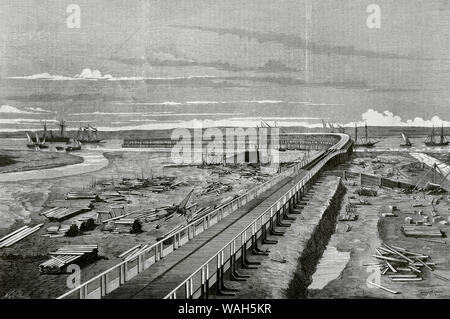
91	162
18	161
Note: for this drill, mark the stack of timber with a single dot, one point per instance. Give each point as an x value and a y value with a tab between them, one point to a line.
123	225
363	191
216	188
56	231
67	255
113	197
74	203
18	235
62	213
81	195
401	265
113	214
421	231
434	189
162	183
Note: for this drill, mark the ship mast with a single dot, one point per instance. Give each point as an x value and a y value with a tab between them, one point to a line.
61	127
432	134
45	129
442	134
367	135
356	133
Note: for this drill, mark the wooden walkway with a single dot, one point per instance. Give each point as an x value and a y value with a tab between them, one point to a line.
162	277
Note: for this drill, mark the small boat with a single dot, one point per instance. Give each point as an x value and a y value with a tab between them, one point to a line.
407	141
30	143
365	142
60	148
76	146
431	140
36	144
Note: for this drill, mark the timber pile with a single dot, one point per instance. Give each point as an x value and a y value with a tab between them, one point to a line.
221	171
18	235
162	183
216	188
402	265
73	203
81	195
62	213
116	200
421	231
56	231
123	225
64	256
363	191
434	189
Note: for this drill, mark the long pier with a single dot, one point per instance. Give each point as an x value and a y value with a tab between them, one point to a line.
194	259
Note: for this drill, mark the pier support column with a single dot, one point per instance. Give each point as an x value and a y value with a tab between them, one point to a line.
221	289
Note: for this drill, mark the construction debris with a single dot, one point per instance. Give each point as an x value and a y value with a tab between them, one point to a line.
388	211
18	235
216	188
350	213
67	255
363	191
402	265
383	288
434	189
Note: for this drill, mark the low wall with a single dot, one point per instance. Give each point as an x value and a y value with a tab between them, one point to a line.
374	180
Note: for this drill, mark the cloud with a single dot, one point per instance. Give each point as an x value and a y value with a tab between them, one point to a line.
293	41
38	109
12	110
94	75
41	76
88	74
387	118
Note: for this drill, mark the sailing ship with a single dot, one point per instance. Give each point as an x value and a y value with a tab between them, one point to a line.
364	142
76	146
36	143
51	137
87	134
432	141
407	141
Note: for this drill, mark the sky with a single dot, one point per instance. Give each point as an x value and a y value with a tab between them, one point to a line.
235	39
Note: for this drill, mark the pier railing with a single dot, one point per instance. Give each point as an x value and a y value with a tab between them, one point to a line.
112	278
